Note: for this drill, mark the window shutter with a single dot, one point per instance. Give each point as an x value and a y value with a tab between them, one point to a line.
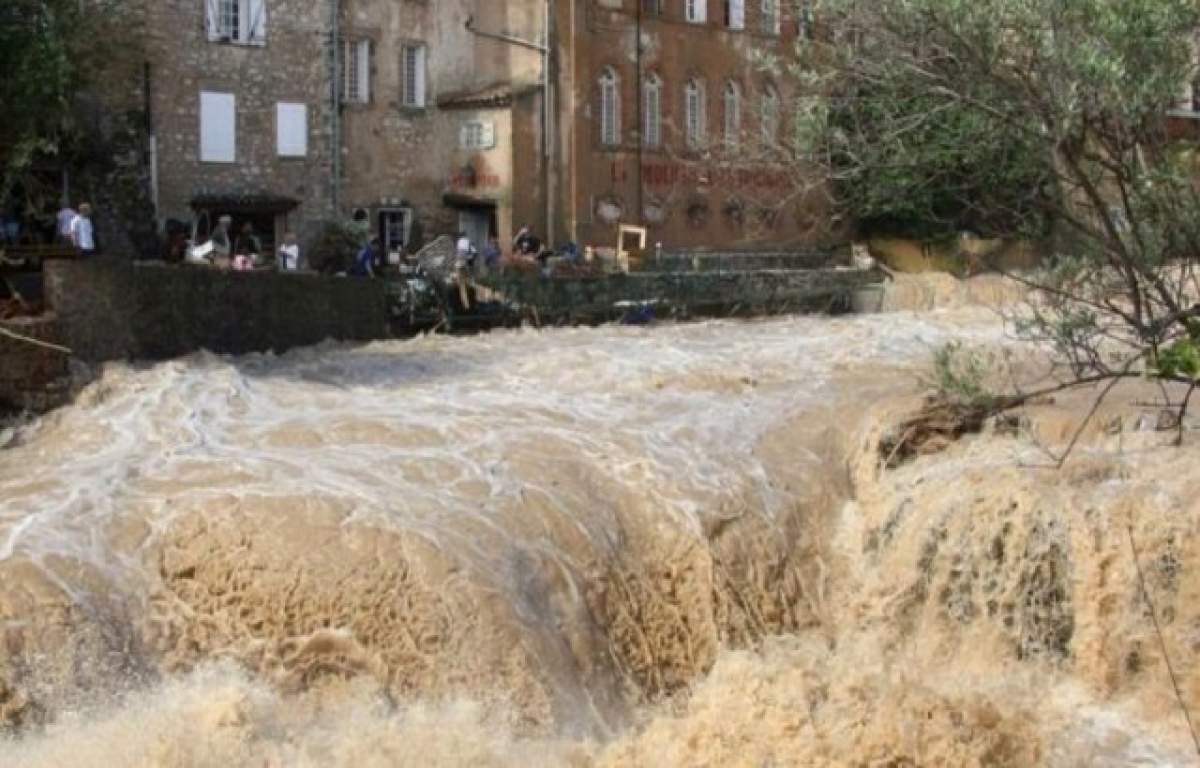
413	65
488	135
291	127
212	16
256	20
218	131
363	62
420	76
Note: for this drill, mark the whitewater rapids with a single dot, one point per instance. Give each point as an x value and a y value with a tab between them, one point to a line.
592	547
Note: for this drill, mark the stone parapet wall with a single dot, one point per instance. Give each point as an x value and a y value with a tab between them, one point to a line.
112	311
704	293
32	377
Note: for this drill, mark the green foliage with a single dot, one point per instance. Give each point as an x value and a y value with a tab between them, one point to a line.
335	247
1179	360
960	376
52	52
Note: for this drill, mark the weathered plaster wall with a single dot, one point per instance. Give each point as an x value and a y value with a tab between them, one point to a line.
393	152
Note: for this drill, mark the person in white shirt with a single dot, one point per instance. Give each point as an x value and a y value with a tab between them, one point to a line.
289	253
64	220
82	234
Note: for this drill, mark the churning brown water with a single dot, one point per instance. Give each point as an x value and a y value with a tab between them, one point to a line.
602	547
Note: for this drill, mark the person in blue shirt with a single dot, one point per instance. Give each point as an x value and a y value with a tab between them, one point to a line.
364	262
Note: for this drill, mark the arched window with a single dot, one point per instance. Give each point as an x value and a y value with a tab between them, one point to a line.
693	102
769	116
652	111
732	101
610	111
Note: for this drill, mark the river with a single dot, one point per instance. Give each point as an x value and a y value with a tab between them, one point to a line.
608	546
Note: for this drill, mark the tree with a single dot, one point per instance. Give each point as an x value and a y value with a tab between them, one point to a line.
1016	115
53	53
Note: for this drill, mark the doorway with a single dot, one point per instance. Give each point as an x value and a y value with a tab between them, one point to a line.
478	223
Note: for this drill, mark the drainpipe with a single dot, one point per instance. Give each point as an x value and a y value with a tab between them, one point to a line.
335	132
548	122
151	143
640	99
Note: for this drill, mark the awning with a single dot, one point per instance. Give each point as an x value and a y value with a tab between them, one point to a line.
254	203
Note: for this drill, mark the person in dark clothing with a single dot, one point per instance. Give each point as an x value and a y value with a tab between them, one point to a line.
248	244
527	243
364	262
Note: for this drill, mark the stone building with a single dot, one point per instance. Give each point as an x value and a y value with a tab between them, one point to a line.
441	111
428	117
240	112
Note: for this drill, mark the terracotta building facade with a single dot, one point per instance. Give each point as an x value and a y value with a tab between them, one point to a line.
430	117
675	118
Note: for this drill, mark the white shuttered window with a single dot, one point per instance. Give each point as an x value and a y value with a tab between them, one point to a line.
236	21
291	129
356	71
218	127
412	65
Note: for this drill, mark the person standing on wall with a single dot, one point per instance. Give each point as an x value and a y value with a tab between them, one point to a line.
83	234
249	245
64	219
289	253
221	248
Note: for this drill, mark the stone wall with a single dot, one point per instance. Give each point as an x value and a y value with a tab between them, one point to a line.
111	311
684	294
32	378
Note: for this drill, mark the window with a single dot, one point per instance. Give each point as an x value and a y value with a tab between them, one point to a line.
770	17
733	114
804	19
236	21
695	11
395	228
610	114
356	71
477	134
218	118
735	14
769	116
412	66
809	120
652	7
652	112
291	129
693	100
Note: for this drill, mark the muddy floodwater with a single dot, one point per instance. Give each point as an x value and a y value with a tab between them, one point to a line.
664	546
